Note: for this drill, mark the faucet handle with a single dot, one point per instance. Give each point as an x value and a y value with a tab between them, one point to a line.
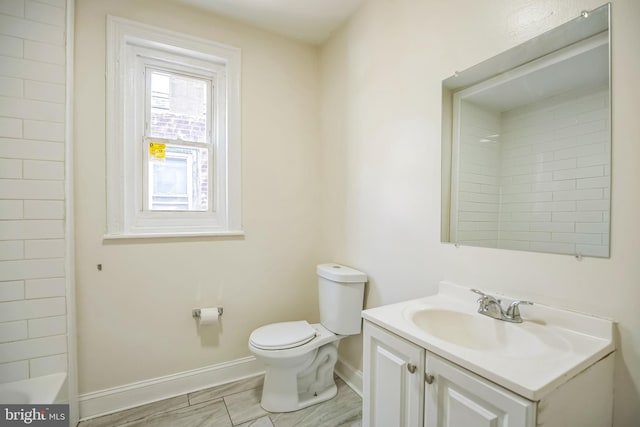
513	312
478	292
485	297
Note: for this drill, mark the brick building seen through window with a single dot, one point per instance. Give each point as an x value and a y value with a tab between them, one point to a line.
179	112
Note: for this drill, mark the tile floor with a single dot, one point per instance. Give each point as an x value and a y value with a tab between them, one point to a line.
235	404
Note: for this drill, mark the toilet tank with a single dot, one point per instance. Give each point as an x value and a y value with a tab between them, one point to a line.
341	297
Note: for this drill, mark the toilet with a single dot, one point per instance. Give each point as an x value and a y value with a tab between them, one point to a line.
299	357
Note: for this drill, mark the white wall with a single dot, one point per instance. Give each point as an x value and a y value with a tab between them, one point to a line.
134	316
33	320
381	86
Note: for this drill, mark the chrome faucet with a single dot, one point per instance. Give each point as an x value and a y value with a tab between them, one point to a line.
492	307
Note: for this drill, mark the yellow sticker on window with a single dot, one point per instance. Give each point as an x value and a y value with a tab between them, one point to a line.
157	150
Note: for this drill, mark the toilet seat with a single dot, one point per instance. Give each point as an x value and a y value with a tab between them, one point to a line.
283	335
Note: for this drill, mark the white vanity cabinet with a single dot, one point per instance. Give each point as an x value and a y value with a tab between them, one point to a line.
406	385
437	361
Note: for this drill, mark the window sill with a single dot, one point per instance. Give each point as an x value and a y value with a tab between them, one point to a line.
172	235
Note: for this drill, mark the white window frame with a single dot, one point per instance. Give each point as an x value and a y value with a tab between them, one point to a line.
131	46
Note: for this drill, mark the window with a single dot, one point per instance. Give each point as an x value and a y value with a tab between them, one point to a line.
173	134
177	133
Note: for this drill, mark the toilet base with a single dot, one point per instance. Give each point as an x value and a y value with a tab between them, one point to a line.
285	390
304	400
309	399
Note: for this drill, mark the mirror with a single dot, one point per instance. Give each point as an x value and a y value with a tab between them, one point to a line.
526	144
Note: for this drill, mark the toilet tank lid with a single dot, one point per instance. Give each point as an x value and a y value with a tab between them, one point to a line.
341	273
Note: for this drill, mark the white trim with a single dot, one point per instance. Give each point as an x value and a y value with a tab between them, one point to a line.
72	362
229	233
127	396
350	375
124	216
455	168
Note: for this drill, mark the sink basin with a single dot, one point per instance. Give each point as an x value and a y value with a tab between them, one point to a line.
478	332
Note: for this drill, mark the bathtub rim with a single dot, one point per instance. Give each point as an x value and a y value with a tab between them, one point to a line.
45	389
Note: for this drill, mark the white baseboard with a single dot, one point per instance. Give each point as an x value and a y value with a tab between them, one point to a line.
350	375
139	393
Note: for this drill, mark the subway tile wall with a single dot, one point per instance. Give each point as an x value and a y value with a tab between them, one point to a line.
555	175
544	183
33	338
479	178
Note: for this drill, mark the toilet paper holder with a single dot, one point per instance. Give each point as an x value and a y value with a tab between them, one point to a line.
195	313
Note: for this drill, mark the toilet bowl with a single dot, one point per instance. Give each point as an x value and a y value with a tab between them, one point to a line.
299	357
296	376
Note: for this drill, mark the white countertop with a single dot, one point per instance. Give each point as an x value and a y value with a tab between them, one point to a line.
550	346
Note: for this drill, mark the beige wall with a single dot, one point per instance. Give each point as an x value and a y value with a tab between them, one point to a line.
381	106
134	317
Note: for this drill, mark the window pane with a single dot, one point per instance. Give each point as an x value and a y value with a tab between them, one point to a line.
180	181
178	107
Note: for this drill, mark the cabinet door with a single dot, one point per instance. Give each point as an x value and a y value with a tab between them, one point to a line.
456	397
393	385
